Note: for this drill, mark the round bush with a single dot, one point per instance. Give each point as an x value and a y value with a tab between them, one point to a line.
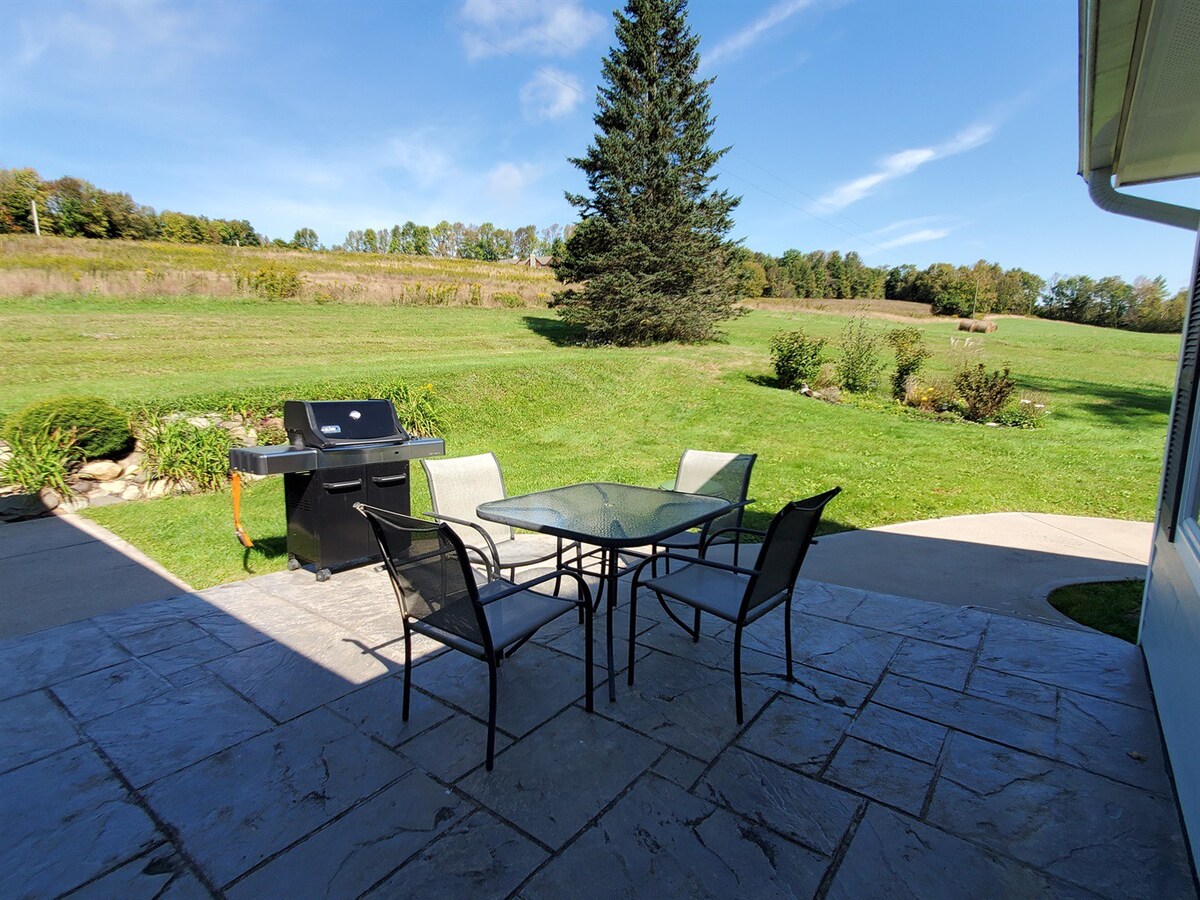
100	428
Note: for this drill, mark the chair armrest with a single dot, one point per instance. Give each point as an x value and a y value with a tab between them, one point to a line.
739	529
491	545
690	560
585	594
667	485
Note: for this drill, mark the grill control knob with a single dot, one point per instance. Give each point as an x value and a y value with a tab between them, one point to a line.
355	415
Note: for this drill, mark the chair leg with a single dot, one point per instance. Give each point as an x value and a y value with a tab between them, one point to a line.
491	737
696	628
787	634
654	563
407	671
633	592
737	671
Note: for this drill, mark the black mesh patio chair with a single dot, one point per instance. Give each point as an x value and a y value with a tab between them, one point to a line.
724	475
736	594
456	488
440	597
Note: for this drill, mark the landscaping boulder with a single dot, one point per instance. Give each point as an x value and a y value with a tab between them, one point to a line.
100	470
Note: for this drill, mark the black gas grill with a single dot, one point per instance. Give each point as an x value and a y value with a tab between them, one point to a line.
340	452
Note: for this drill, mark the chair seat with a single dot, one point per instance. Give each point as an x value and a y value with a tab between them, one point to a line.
684	540
710	590
525	549
510	620
514	618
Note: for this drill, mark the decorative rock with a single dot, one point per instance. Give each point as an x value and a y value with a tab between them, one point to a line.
100	470
99	499
155	489
132	461
85	487
828	394
50	498
74	503
238	432
116	488
199	421
132	492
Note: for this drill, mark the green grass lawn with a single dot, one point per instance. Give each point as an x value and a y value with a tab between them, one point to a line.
1113	607
556	414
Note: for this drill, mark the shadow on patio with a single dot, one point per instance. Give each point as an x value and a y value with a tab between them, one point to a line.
246	740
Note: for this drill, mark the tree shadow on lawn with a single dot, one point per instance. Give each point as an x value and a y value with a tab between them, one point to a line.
1118	405
557	332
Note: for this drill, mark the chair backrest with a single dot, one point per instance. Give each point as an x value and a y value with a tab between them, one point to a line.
457	486
427	563
724	475
784	548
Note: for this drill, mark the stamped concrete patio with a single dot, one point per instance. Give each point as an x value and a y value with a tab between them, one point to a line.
246	741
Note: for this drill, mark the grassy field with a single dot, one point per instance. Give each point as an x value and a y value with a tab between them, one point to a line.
555	413
31	266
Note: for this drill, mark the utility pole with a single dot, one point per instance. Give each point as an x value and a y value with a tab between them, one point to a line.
36	229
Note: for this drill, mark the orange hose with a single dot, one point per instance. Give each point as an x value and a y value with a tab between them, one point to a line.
238	530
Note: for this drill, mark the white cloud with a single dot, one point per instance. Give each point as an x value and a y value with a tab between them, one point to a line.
905	163
149	31
419	154
920	236
508	182
550	94
537	27
752	33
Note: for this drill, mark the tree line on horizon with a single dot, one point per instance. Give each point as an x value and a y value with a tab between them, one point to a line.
73	207
968	291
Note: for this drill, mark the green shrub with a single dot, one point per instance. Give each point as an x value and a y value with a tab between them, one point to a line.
983	393
911	352
1023	413
182	452
859	366
416	407
99	428
509	301
272	280
40	458
797	358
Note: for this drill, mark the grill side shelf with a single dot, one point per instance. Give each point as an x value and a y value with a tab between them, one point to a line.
278	460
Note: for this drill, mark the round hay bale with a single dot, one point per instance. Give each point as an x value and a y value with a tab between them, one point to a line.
977	326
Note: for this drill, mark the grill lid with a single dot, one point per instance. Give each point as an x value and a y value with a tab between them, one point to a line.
337	423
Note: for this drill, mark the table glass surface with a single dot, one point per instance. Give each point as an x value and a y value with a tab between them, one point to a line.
610	515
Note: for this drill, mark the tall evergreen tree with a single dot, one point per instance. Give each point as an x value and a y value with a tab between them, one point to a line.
650	251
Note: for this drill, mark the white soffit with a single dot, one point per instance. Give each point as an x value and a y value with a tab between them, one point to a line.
1140	78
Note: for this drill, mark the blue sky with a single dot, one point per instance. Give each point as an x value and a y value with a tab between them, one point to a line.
908	131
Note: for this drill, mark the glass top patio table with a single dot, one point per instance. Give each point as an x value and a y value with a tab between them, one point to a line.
604	514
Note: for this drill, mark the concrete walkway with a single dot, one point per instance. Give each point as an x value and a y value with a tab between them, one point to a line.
62	569
1002	562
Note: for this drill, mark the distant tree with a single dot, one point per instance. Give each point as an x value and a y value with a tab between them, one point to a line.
524	241
355	242
395	240
1112	302
442	239
899	283
19	188
546	238
650	251
181	228
306	239
76	209
370	238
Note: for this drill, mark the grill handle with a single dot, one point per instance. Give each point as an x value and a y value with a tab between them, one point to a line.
388	480
332	486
